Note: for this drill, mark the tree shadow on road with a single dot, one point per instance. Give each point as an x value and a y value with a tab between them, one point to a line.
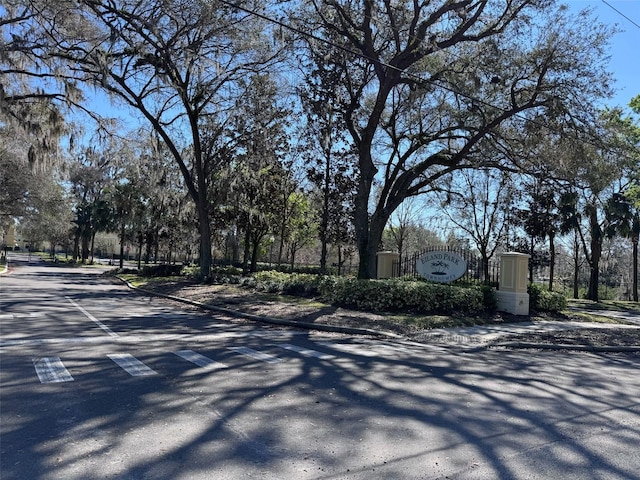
366	409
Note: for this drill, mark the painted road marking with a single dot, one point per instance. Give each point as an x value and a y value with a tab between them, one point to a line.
93	319
307	352
131	365
10	316
199	360
249	352
51	370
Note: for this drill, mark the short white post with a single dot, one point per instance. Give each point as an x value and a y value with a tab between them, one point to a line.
512	296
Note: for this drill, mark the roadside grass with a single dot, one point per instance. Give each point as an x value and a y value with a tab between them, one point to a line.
606	305
589	310
140	281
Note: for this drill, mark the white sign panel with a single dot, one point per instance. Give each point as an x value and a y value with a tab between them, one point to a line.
441	266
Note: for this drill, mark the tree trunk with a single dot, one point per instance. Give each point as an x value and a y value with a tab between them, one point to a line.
367	235
156	246
485	267
254	254
594	278
366	267
552	260
324	222
149	246
531	252
293	256
635	269
281	245
247	248
122	245
76	246
596	253
369	247
93	244
205	240
323	255
85	246
140	241
576	266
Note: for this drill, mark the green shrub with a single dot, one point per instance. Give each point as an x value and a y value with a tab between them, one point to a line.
541	299
402	295
163	270
397	295
191	270
227	270
302	284
489	298
124	271
551	302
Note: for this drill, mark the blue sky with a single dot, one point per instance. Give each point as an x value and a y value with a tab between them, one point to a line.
625	46
625	52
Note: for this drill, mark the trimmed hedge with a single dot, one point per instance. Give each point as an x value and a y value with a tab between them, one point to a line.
163	270
301	284
541	299
402	296
398	295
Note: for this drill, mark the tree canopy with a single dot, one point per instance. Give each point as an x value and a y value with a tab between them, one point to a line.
426	88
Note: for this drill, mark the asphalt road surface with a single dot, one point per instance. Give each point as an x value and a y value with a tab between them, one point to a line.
98	382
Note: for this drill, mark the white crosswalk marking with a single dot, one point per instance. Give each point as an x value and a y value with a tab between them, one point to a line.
131	365
307	352
200	360
51	370
263	357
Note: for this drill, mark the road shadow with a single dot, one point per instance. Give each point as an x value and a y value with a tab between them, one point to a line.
369	409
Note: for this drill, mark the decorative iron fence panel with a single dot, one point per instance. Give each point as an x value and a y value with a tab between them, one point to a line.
477	270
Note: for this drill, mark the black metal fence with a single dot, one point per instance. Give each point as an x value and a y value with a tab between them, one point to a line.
477	271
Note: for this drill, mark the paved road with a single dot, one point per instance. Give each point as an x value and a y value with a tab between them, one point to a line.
98	382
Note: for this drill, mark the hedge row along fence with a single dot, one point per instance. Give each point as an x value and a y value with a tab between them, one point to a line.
393	295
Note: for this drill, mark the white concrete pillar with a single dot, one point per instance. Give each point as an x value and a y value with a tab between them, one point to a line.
385	261
512	293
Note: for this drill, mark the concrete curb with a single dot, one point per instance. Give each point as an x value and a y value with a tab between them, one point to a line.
268	320
563	346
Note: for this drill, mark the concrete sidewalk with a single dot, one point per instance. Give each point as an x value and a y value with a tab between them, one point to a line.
499	335
625	316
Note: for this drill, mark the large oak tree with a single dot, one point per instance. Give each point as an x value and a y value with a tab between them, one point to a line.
424	86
